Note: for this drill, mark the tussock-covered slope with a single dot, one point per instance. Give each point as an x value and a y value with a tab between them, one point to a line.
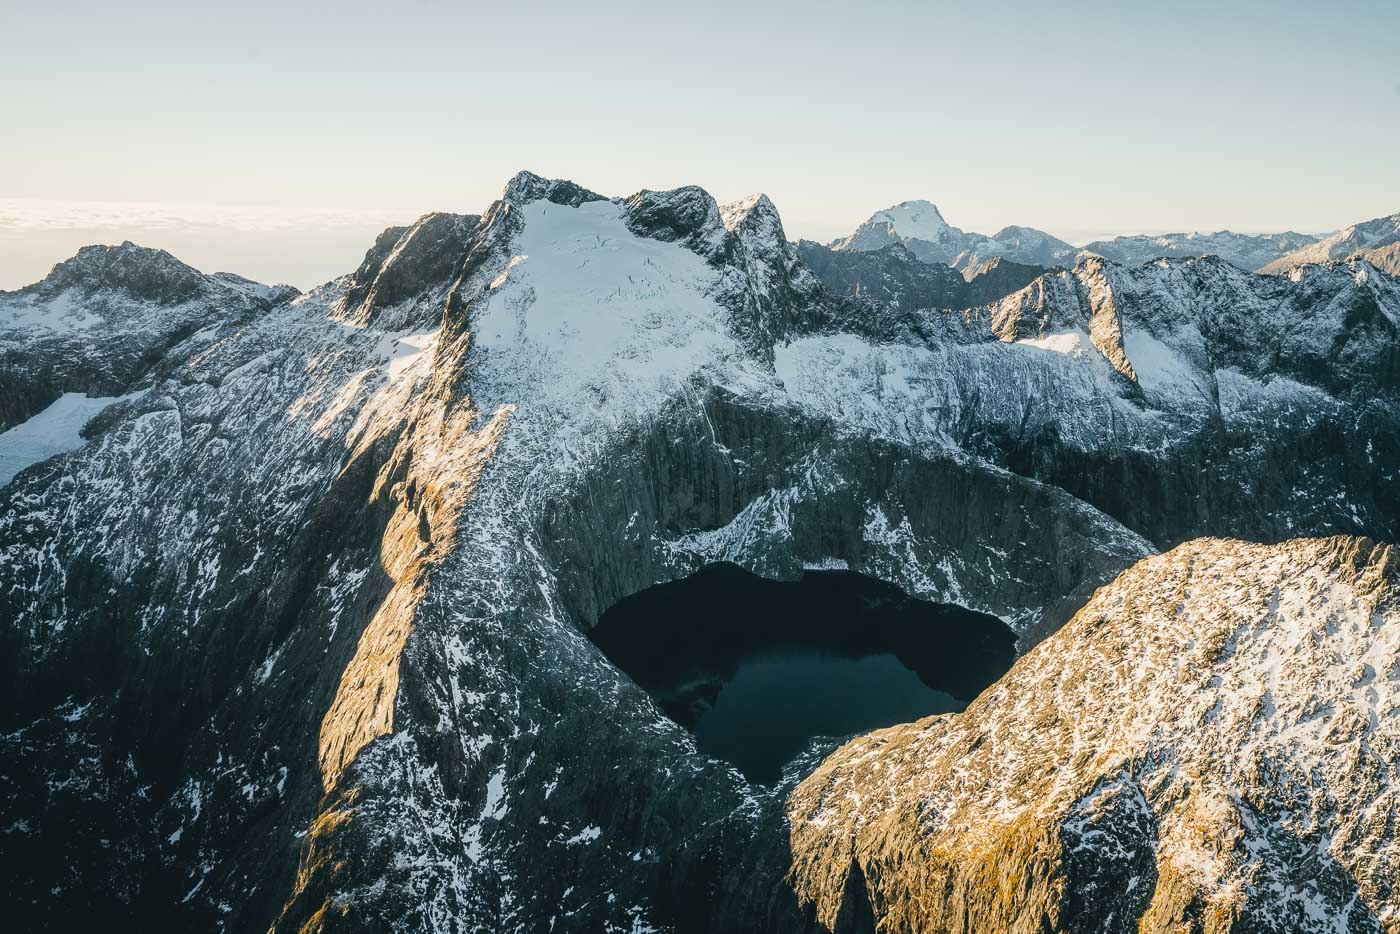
1208	745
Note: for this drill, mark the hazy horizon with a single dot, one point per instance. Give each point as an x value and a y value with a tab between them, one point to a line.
1077	119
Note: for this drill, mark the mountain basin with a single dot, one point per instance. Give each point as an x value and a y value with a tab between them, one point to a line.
758	668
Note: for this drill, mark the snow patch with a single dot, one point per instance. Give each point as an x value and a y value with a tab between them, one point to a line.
1160	369
53	431
402	349
593	319
586	835
60	314
1074	343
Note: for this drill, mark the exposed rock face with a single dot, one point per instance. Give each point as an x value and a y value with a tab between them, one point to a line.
891	277
1206	746
298	631
1372	239
408	267
996	278
894	280
1247	251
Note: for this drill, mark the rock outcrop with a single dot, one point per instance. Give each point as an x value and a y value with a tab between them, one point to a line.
893	280
888	278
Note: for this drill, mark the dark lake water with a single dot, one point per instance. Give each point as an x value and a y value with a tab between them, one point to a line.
757	668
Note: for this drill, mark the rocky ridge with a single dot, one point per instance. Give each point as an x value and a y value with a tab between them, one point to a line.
105	319
893	279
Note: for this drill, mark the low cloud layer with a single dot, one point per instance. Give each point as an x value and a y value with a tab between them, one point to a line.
301	247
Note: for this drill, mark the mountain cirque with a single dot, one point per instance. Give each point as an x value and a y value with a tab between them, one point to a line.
294	639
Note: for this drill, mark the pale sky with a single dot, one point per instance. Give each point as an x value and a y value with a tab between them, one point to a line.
1083	119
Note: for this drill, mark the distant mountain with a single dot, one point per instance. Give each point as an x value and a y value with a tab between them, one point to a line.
1024	245
1384	258
919	226
918	221
1248	251
108	318
1373	240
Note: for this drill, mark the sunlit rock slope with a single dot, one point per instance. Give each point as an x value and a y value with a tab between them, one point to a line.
1207	746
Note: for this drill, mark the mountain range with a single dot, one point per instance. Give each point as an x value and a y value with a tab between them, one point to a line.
295	587
920	228
1375	241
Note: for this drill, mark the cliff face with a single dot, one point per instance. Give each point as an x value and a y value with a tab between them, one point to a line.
1205	746
297	628
894	279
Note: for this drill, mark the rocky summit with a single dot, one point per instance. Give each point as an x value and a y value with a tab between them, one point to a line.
296	588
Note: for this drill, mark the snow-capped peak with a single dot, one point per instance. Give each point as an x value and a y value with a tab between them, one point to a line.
920	227
916	220
734	212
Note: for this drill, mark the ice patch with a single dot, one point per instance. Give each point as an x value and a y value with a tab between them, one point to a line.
1160	369
586	835
402	349
1074	343
53	431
